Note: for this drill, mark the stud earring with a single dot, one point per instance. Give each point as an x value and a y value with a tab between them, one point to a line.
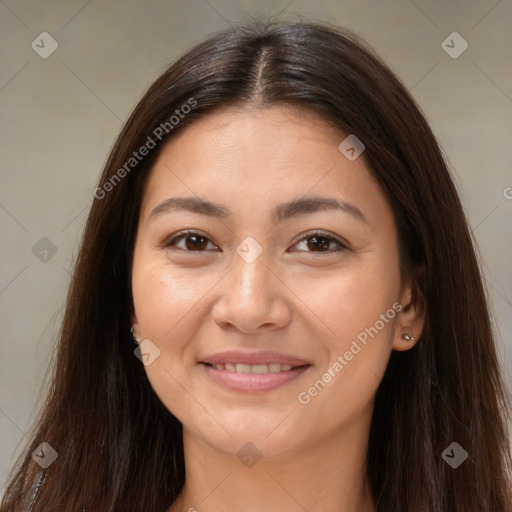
135	338
406	337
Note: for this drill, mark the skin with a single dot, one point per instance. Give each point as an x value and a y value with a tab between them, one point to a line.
297	298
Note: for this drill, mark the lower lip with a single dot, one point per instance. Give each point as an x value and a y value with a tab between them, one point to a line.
252	382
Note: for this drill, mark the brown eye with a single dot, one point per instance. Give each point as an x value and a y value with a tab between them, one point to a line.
316	242
319	242
193	242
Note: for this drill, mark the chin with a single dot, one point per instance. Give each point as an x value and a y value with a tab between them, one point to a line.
269	435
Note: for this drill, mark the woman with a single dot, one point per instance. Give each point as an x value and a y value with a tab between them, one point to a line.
277	292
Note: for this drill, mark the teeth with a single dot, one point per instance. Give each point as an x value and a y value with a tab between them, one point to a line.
254	368
243	368
259	368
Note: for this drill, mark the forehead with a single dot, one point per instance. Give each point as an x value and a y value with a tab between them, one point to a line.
249	158
250	137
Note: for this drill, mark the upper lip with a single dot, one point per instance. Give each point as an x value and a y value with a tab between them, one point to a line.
252	358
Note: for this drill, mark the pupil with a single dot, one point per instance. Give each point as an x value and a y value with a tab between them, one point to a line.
324	245
199	241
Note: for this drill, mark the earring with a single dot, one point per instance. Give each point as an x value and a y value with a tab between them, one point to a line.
406	337
135	338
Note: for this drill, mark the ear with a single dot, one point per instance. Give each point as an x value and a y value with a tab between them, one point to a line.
411	318
135	327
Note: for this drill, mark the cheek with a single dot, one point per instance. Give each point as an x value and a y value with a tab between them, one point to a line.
166	304
358	354
164	297
357	306
353	299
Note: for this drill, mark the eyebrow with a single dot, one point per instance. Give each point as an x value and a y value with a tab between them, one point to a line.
283	211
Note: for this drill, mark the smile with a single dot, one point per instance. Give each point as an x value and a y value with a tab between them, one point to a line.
255	368
252	378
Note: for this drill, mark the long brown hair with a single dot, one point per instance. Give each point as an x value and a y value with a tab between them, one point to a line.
119	448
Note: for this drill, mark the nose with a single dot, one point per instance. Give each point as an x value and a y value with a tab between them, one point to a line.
252	298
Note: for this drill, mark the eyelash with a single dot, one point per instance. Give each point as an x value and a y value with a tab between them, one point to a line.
321	234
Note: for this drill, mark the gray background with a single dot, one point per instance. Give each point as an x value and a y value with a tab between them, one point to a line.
60	116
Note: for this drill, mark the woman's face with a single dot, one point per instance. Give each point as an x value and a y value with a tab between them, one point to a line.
273	322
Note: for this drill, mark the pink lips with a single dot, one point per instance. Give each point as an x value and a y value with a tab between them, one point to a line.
252	382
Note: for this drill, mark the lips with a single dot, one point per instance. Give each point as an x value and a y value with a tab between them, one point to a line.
254	368
257	371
